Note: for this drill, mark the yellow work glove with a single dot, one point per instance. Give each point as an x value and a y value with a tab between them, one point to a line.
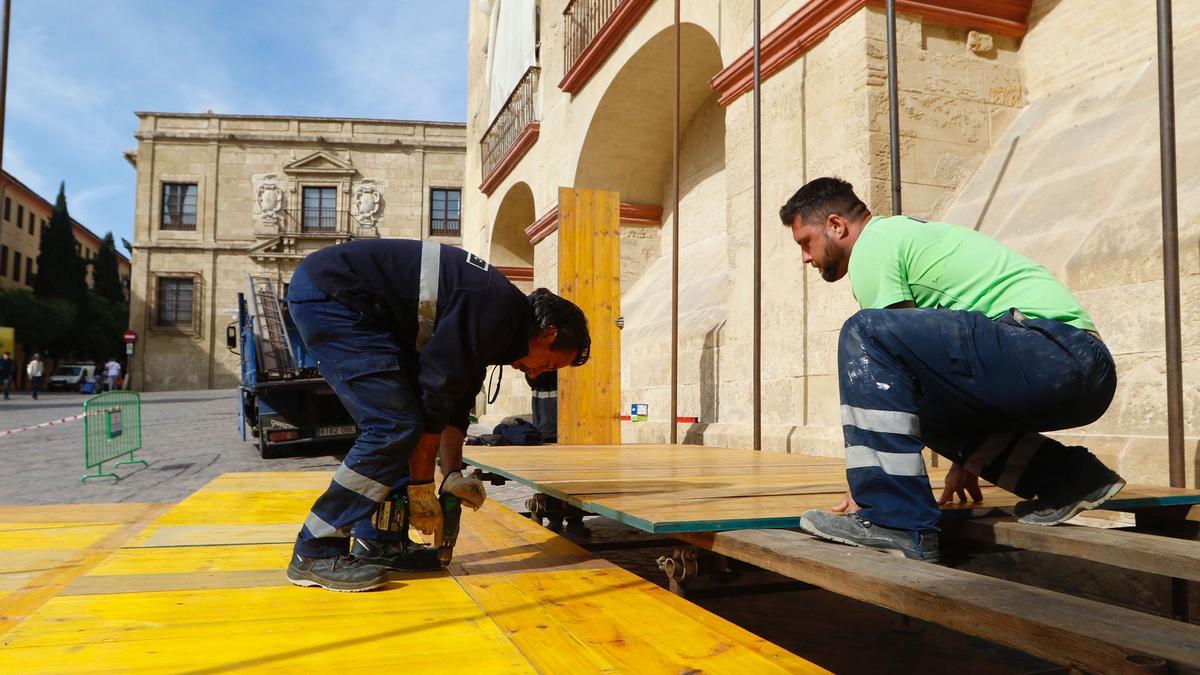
467	488
424	511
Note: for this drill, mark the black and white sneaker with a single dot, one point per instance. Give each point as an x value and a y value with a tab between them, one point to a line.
399	555
1092	487
344	573
852	529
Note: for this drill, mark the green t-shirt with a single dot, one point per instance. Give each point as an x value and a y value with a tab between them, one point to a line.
933	265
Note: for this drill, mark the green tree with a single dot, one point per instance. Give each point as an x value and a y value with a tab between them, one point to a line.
41	324
106	280
61	273
101	323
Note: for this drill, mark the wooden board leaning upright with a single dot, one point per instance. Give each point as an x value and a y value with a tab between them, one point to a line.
589	274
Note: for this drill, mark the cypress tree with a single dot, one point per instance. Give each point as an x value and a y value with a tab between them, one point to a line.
106	280
61	273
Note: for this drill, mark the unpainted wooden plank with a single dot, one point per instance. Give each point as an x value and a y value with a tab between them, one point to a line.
1129	550
662	488
1063	629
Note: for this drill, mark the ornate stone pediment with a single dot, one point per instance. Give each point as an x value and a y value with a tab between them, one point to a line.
320	163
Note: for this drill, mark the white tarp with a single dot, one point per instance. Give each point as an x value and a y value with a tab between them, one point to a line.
512	48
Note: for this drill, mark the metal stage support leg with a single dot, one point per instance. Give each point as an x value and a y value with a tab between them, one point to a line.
688	562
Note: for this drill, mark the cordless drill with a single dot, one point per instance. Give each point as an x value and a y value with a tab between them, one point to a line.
392	516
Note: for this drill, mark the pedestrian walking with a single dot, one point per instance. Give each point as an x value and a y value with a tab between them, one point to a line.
112	373
35	370
7	371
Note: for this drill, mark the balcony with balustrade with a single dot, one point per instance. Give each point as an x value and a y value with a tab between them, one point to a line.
593	29
512	133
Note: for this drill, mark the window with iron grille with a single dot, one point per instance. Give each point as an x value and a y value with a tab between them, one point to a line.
445	207
16	266
178	206
320	209
175	302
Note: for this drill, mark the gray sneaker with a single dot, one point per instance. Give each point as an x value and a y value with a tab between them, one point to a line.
852	529
1049	511
344	573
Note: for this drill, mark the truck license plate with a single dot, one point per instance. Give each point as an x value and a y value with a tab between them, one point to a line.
340	430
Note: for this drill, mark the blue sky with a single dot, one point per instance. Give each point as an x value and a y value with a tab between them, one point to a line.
79	68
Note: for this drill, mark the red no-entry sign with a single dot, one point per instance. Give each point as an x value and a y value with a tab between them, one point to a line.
130	337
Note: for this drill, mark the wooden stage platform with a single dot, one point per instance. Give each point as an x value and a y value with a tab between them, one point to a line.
199	587
689	488
739	503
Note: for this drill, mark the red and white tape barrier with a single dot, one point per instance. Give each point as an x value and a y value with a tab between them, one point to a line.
51	423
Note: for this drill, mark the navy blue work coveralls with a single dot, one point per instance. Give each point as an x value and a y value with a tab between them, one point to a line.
975	390
545	404
402	331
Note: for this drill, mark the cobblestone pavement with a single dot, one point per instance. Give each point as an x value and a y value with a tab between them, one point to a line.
189	438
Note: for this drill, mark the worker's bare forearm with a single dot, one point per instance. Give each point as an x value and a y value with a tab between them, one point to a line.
450	449
420	464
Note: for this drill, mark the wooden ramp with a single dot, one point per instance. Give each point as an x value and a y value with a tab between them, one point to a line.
199	588
690	488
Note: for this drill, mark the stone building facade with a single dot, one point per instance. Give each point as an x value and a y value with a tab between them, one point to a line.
220	197
1034	121
25	216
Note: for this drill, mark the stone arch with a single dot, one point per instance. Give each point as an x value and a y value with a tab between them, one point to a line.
627	149
510	246
628	143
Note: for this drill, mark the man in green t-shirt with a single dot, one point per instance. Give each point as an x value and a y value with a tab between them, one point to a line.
962	345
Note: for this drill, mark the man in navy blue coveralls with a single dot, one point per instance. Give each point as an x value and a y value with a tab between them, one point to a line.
962	345
402	331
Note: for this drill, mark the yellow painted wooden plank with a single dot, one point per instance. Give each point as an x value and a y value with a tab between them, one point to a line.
216	534
259	481
178	559
248	507
606	300
19	604
568	378
72	513
423	625
18	536
608	612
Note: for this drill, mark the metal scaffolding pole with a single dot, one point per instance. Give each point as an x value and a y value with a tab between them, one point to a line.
757	383
893	106
1170	229
675	245
4	94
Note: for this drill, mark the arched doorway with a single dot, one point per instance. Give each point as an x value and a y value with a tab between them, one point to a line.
510	246
627	149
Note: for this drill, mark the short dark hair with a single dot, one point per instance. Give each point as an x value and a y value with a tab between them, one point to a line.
821	197
552	310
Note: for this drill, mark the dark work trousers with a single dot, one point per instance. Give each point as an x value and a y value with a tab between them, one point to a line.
35	384
361	363
974	390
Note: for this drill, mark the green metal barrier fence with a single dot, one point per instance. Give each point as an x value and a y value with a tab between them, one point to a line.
112	428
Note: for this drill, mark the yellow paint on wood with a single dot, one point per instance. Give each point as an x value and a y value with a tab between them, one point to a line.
589	275
421	626
177	559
